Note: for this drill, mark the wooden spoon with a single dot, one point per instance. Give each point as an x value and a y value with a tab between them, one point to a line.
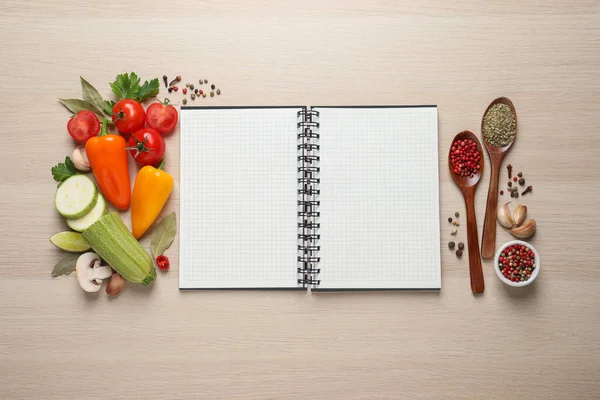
496	154
467	186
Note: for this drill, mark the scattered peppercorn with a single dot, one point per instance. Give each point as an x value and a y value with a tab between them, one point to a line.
456	214
465	158
502	192
184	101
200	81
520	174
516	194
187	85
218	91
509	183
192	86
193	96
451	245
184	90
201	91
522	181
175	88
529	189
166	80
212	94
459	253
514	178
212	86
203	94
517	263
206	81
450	219
454	232
509	168
170	90
461	245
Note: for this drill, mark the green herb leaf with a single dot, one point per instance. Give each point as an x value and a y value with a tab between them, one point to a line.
108	107
66	265
163	235
127	86
62	171
91	95
76	105
149	89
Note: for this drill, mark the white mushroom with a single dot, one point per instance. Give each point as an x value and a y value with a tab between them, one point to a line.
90	273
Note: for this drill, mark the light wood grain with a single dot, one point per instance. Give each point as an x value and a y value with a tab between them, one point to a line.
540	342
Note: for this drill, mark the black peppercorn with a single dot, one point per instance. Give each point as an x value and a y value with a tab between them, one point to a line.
516	194
449	219
170	89
451	245
206	81
218	91
184	101
212	86
459	253
522	181
461	245
520	174
191	86
456	214
509	183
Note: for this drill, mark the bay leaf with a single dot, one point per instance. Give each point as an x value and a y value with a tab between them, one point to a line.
164	234
91	95
66	265
76	105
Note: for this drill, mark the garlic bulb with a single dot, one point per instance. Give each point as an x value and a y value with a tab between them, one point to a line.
505	216
80	159
519	214
524	231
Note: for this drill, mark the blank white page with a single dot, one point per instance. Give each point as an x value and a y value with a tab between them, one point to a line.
379	198
238	212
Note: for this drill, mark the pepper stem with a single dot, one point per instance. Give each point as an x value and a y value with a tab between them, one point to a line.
161	166
104	128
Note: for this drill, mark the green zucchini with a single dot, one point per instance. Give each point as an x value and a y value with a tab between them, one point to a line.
112	241
81	224
76	196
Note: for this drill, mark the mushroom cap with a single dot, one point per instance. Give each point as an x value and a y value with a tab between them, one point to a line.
90	273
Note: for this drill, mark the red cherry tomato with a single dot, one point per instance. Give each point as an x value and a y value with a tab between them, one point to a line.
128	116
83	126
161	116
146	146
163	262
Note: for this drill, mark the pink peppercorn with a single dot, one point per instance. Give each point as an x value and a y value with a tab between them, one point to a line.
184	90
465	158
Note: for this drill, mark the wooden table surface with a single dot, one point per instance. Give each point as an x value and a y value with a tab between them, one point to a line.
541	342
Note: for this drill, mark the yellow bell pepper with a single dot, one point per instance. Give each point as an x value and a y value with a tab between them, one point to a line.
151	190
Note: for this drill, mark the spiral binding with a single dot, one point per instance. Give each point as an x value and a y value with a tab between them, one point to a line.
308	203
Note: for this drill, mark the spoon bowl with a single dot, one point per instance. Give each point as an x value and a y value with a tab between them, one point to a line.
496	154
466	181
467	186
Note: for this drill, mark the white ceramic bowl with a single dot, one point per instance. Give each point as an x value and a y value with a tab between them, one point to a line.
535	273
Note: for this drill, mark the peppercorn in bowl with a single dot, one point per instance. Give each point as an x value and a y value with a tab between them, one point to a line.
517	263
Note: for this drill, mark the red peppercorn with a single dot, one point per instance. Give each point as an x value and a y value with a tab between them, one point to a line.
465	158
175	88
515	178
502	192
184	90
163	262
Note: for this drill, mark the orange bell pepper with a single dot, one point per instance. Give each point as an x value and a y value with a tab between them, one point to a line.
108	160
151	190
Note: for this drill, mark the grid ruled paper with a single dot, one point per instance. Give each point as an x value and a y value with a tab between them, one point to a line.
379	198
239	198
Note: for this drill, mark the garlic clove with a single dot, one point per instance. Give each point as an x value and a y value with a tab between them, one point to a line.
505	216
519	214
524	231
80	159
115	285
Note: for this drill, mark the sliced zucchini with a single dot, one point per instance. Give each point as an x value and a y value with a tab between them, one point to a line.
76	196
81	224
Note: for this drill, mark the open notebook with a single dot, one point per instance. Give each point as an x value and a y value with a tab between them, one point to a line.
331	198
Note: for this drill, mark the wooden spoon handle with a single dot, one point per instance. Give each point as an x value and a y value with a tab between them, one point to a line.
475	270
488	239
